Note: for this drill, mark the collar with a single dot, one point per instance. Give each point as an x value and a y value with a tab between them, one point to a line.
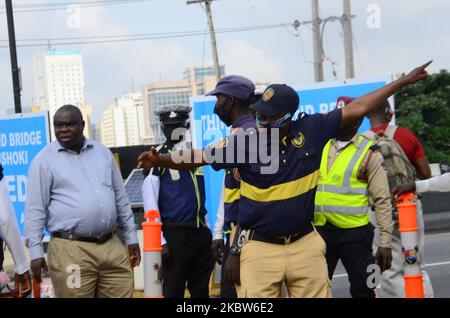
87	144
241	120
354	140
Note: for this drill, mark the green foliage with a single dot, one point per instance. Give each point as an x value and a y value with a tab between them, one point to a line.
424	108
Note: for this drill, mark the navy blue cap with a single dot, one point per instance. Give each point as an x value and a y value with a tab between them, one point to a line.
277	99
235	86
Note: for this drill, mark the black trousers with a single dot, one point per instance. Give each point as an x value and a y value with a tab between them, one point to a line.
354	248
227	290
190	262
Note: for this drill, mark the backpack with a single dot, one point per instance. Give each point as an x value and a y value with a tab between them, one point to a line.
397	165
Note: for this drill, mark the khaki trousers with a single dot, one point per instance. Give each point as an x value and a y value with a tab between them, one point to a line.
300	265
88	270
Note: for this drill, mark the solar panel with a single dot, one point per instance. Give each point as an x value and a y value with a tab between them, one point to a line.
133	188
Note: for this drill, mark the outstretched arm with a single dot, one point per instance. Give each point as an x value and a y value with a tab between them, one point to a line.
181	160
364	105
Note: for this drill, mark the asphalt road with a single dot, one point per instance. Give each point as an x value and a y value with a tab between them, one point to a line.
437	264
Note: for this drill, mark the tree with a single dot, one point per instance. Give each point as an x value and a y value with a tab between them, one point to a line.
424	108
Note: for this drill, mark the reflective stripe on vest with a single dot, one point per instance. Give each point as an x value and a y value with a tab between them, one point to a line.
341	198
350	210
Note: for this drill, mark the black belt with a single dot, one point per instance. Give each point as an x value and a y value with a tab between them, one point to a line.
68	236
255	236
187	225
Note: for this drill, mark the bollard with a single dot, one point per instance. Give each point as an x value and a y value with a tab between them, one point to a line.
152	255
407	218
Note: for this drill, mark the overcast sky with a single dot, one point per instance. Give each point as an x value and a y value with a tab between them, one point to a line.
405	34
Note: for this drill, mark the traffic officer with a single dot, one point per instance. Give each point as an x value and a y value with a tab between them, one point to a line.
179	196
9	232
234	95
351	176
276	208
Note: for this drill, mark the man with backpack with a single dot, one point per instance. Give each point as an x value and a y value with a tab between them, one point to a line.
404	160
351	176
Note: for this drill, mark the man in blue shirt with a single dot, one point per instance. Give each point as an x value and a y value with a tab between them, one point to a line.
76	192
277	195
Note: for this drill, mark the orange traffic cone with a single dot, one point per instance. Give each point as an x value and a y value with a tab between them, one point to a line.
408	231
152	255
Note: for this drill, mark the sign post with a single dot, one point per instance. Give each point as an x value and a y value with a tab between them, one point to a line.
22	137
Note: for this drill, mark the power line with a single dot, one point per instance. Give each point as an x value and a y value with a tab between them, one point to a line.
136	37
358	55
212	34
26	8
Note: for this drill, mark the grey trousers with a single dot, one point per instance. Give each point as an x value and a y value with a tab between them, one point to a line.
392	282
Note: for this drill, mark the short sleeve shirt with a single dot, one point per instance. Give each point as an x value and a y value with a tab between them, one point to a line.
278	178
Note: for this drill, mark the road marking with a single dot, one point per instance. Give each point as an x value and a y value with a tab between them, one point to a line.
426	265
437	264
341	275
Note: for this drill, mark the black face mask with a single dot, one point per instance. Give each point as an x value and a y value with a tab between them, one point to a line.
223	115
169	129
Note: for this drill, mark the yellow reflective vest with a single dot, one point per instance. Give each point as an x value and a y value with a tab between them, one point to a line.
341	198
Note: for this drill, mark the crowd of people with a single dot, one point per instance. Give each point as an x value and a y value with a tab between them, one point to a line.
281	226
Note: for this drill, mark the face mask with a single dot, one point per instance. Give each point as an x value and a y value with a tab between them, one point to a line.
168	131
223	115
279	123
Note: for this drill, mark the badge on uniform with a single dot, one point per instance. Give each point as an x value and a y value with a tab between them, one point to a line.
298	141
174	174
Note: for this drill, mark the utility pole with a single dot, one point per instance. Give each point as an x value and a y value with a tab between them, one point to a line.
212	34
13	52
348	40
318	27
317	42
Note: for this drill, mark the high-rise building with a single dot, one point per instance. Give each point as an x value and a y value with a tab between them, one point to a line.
122	123
86	111
58	80
197	81
162	94
201	79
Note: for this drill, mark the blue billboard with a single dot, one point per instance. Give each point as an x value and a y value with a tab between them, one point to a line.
315	98
22	137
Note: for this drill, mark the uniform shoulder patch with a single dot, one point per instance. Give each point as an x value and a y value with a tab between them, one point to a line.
299	140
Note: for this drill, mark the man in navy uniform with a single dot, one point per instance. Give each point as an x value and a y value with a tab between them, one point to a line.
234	95
179	196
281	244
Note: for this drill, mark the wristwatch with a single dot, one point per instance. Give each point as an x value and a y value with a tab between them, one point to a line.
235	250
